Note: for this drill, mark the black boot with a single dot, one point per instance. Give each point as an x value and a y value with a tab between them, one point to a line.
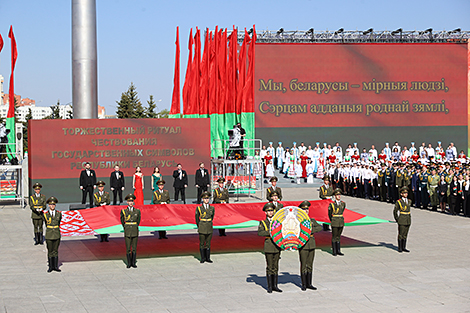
333	248
270	283
56	264
303	277
309	281
36	239
51	266
162	234
275	283
222	232
400	247
106	238
208	256
338	248
203	255
129	260
134	260
403	245
326	227
41	238
102	238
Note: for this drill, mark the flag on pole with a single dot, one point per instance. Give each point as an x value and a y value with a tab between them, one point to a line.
1	43
10	122
175	101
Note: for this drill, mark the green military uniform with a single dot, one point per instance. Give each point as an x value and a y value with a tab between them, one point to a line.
271	251
433	181
161	197
335	213
402	206
423	185
130	220
326	192
307	252
101	198
52	219
37	204
204	221
220	195
399	178
381	178
271	190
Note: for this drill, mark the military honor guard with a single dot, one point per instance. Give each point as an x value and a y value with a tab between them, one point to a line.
271	251
335	213
326	190
52	219
220	195
273	188
307	252
402	214
275	201
37	204
161	196
204	220
130	220
433	182
101	198
381	179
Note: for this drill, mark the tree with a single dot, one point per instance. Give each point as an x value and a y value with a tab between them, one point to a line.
163	113
55	114
150	111
130	106
70	113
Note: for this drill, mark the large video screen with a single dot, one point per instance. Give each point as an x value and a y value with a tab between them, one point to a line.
360	85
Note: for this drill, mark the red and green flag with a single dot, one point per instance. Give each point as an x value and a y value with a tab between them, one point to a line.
10	121
175	101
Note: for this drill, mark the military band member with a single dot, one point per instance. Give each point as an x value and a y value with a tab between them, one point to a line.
204	220
37	204
130	220
381	176
52	219
161	196
423	187
335	213
326	190
101	198
271	251
275	201
273	188
307	252
220	195
433	181
403	206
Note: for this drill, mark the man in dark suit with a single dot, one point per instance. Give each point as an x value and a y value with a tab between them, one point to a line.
202	181
181	182
116	182
87	183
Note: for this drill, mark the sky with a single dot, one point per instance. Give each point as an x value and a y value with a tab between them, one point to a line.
136	39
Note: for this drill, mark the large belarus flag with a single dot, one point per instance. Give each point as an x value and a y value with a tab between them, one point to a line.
10	122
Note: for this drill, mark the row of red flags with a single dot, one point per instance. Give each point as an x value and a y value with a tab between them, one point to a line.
220	80
14	55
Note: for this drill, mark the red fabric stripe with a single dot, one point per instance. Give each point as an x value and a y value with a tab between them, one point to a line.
175	101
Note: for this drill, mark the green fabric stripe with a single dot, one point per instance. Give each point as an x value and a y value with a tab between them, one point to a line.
191	116
174	115
11	146
367	220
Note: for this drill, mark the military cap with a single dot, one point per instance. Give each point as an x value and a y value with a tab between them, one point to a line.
274	193
404	189
100	183
304	205
205	195
337	191
52	200
268	207
326	178
274	178
221	180
37	186
130	197
161	182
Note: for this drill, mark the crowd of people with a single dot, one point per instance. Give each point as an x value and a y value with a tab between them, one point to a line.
436	177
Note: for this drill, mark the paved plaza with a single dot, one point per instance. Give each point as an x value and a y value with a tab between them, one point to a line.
371	277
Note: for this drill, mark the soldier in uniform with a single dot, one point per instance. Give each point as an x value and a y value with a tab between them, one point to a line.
100	198
130	220
52	219
326	190
423	187
403	219
433	181
275	201
307	252
204	221
381	177
335	213
273	188
161	196
220	195
37	204
271	251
